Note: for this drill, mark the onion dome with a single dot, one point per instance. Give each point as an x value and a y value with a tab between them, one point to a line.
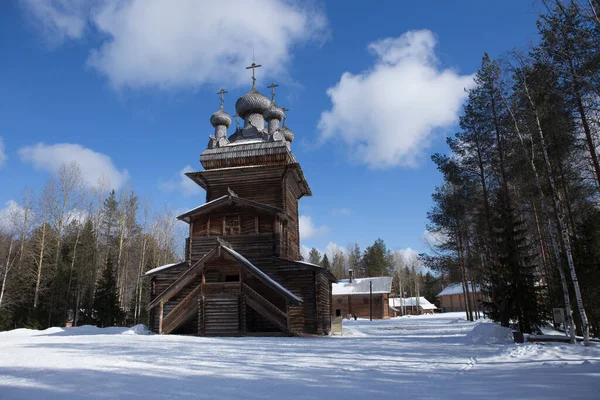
274	112
287	133
252	102
220	118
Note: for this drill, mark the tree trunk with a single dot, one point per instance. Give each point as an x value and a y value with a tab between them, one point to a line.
561	224
71	274
543	205
6	269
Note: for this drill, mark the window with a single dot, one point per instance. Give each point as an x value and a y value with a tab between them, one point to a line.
232	225
338	312
366	300
339	300
232	278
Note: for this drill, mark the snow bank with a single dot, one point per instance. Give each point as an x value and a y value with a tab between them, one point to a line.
490	333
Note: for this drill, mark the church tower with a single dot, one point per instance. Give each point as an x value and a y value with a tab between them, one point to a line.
242	272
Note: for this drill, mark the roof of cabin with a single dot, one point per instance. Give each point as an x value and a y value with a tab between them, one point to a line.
311	266
456	288
260	273
243	261
398	302
164	267
229	199
381	284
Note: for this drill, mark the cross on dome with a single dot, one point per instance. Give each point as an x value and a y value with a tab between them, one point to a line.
272	86
253	67
221	94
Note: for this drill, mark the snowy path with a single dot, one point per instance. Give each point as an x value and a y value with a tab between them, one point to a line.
433	357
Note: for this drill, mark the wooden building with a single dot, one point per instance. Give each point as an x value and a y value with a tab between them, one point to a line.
361	297
452	298
241	274
410	306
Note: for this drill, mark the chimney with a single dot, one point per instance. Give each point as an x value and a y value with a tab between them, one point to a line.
350	274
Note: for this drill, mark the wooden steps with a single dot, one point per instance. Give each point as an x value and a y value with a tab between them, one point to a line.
221	315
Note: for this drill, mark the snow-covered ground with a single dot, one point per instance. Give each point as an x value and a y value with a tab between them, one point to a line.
438	356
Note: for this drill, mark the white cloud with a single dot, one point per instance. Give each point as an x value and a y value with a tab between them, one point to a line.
10	216
304	252
433	239
58	20
308	229
164	44
3	156
182	183
94	166
333	248
388	113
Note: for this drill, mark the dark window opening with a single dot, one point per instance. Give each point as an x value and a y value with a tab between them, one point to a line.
232	278
232	225
338	312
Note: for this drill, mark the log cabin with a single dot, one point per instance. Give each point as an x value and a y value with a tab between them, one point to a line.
361	297
242	273
452	298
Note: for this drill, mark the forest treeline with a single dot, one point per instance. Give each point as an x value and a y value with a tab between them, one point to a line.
76	254
518	210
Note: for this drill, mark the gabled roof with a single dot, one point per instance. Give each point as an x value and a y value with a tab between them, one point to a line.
398	302
163	267
231	198
456	288
261	275
311	266
381	284
222	245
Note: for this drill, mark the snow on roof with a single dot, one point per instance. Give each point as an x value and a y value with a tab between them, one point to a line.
456	288
398	302
161	268
381	284
245	141
204	205
243	259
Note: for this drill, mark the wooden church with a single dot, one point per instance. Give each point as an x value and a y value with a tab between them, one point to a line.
241	274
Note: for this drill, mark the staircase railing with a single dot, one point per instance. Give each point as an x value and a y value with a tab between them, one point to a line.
182	311
265	308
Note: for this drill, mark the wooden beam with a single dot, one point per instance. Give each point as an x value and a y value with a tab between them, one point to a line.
160	317
208	227
256	224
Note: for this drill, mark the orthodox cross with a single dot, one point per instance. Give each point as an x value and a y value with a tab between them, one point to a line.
285	110
253	67
221	94
272	86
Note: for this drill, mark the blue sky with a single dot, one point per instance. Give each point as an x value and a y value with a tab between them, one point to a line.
128	88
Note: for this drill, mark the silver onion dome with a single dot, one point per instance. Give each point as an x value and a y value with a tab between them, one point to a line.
252	102
287	133
220	118
274	112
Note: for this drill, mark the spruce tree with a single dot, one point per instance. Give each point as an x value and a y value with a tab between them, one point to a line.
106	304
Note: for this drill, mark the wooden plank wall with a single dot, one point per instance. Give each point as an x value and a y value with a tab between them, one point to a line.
360	305
261	184
323	286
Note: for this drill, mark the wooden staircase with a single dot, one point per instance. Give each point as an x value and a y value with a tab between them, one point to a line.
265	308
182	312
220	315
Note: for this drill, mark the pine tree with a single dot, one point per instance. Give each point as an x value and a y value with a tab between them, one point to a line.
325	263
106	304
314	257
377	260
